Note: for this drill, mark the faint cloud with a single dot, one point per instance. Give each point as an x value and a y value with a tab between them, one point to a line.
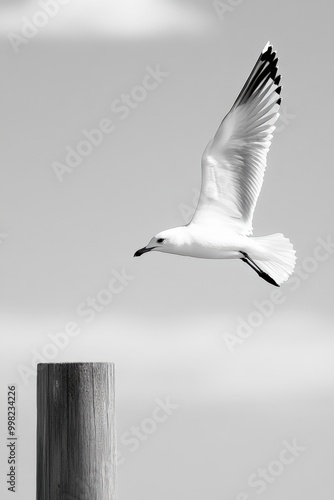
115	18
88	309
152	17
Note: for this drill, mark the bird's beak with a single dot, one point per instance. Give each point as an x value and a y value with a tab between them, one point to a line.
143	250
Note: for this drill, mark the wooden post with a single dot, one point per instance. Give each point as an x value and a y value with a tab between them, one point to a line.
76	457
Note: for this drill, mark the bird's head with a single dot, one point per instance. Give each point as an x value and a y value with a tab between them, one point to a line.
166	241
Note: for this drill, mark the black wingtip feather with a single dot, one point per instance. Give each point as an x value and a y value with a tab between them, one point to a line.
279	89
272	57
279	101
265	69
266	53
265	72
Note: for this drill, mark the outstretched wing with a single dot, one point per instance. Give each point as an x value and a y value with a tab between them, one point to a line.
234	161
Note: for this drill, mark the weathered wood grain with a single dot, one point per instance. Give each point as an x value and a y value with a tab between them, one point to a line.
75	431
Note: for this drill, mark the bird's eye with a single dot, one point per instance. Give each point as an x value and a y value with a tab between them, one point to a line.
160	240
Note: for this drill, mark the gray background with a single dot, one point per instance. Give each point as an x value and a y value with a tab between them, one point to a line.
166	331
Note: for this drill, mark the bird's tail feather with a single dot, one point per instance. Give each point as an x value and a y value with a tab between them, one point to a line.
275	256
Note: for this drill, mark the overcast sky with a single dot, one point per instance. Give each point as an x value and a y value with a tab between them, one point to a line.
157	78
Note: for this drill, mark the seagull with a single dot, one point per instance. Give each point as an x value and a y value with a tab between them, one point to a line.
233	165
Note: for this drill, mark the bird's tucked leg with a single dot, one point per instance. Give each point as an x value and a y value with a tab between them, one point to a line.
246	258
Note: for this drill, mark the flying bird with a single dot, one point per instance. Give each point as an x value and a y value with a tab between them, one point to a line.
233	165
